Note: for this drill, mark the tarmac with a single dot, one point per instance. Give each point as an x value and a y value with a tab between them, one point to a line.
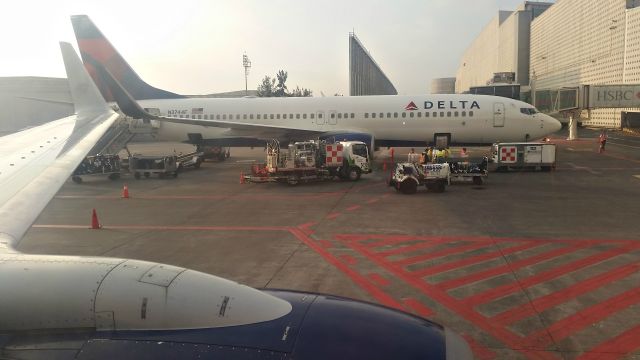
528	265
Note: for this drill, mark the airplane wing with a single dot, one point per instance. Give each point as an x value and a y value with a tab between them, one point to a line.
34	163
129	106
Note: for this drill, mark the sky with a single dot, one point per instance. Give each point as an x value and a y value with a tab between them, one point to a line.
196	46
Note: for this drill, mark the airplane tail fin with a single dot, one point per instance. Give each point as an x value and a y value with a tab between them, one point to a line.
95	50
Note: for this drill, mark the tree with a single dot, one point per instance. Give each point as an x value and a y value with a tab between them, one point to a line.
267	87
277	87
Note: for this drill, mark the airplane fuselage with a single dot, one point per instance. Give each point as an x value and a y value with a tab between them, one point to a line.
469	119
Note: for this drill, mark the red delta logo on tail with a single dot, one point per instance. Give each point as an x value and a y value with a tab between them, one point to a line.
412	106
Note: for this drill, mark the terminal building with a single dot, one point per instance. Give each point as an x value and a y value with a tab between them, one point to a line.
587	42
500	53
365	75
443	86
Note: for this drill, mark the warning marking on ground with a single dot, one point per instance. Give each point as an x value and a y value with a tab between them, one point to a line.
512	289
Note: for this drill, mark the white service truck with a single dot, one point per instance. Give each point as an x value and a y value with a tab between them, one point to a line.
312	160
406	177
505	156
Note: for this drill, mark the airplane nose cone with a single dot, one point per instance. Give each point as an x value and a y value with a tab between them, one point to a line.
551	124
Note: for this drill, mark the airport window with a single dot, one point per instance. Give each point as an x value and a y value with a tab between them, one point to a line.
441	113
455	114
404	114
373	115
304	116
448	113
244	117
395	115
366	115
470	113
339	116
297	116
278	116
411	114
271	116
464	113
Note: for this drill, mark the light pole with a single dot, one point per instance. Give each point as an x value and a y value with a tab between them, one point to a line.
246	63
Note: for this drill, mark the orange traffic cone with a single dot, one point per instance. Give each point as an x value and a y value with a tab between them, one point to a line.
125	192
241	178
95	224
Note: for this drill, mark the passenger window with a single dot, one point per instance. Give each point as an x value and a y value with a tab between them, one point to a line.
339	116
346	115
381	115
250	116
404	114
265	116
464	113
419	114
218	117
395	115
441	113
455	113
271	116
304	116
411	114
297	116
388	115
435	114
244	117
470	113
373	115
278	116
258	117
199	117
290	116
312	116
353	115
448	113
224	116
426	114
366	115
333	115
320	116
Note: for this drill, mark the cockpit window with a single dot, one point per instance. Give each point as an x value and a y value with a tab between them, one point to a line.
528	111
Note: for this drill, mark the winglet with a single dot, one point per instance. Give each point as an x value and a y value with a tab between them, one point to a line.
86	97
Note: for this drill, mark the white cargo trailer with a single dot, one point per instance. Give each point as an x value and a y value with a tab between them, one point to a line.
523	155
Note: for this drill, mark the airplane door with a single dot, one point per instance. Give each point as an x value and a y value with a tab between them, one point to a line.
498	115
320	118
332	118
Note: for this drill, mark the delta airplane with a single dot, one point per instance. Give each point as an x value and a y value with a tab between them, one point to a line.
79	307
380	120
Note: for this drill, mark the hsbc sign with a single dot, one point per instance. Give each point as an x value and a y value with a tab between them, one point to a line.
614	96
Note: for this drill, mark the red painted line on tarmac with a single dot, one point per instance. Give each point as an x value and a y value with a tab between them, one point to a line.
378	279
417	307
332	216
306	227
616	348
372	201
545	302
349	259
438	254
360	280
507	289
510	339
167	228
509	267
352	208
472	260
586	317
325	244
410	248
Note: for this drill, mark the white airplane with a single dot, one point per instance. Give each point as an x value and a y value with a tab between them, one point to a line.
78	307
380	120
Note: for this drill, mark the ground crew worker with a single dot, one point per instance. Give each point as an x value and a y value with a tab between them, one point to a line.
603	140
423	157
430	154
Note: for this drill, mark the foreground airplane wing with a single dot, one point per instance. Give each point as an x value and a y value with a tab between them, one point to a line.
36	162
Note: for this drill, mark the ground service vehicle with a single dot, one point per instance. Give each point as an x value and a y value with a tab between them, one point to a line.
163	166
523	155
108	165
462	171
312	160
406	177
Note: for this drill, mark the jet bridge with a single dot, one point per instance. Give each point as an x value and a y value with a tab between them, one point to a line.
571	101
